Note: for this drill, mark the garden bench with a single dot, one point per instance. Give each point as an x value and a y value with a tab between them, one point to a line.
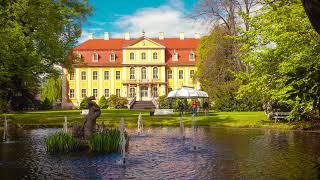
163	112
279	115
85	112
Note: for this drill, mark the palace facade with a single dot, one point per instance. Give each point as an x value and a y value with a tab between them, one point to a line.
140	69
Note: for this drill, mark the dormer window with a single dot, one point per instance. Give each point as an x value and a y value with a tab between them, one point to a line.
95	57
132	56
191	56
175	55
112	56
155	55
143	56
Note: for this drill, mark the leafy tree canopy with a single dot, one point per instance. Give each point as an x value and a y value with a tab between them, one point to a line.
283	51
35	35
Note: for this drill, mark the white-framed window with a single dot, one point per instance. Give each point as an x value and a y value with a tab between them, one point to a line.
71	93
106	92
83	75
143	73
132	56
175	55
95	75
155	55
155	73
132	73
144	91
180	74
112	56
83	93
192	56
117	74
71	76
106	75
132	92
143	56
118	92
169	74
95	57
95	92
191	74
155	92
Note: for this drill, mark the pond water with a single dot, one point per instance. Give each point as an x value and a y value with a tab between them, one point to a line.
162	153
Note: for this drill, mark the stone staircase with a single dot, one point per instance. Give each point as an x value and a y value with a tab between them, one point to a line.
143	105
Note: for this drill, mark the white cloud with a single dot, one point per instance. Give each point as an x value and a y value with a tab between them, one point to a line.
168	19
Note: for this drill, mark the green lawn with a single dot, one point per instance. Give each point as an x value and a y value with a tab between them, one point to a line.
111	119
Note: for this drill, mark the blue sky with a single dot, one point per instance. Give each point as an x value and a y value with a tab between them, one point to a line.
153	16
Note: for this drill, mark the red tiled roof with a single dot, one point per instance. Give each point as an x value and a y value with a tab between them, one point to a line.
104	48
113	44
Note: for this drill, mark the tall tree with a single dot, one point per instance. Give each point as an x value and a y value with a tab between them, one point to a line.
35	35
52	88
284	51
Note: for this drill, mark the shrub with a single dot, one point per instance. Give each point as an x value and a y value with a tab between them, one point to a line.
117	102
61	142
46	104
103	103
163	102
106	141
84	103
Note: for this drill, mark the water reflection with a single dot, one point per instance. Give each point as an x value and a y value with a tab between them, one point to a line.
222	154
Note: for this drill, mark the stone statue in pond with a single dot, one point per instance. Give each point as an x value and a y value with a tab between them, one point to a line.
90	122
89	125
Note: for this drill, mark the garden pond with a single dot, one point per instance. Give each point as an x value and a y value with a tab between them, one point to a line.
162	153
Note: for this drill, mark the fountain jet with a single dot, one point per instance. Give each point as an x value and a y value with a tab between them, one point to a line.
140	124
182	127
5	129
122	141
65	125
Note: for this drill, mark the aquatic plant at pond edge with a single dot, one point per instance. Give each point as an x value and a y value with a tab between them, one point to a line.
61	142
106	141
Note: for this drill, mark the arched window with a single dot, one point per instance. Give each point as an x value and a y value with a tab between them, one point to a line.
155	73
155	55
132	73
143	55
191	56
155	92
132	56
143	73
95	57
112	56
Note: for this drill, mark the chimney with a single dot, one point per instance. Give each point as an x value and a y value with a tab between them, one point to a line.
127	36
197	35
161	35
106	36
182	36
90	36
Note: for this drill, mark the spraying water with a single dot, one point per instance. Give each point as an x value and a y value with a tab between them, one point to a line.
140	124
65	125
5	129
182	127
122	141
194	133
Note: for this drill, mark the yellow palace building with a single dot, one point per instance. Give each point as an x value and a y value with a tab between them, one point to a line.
140	69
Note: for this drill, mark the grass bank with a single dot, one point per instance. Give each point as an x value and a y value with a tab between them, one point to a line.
111	118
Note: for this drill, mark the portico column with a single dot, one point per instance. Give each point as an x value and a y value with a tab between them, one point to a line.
138	92
149	92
